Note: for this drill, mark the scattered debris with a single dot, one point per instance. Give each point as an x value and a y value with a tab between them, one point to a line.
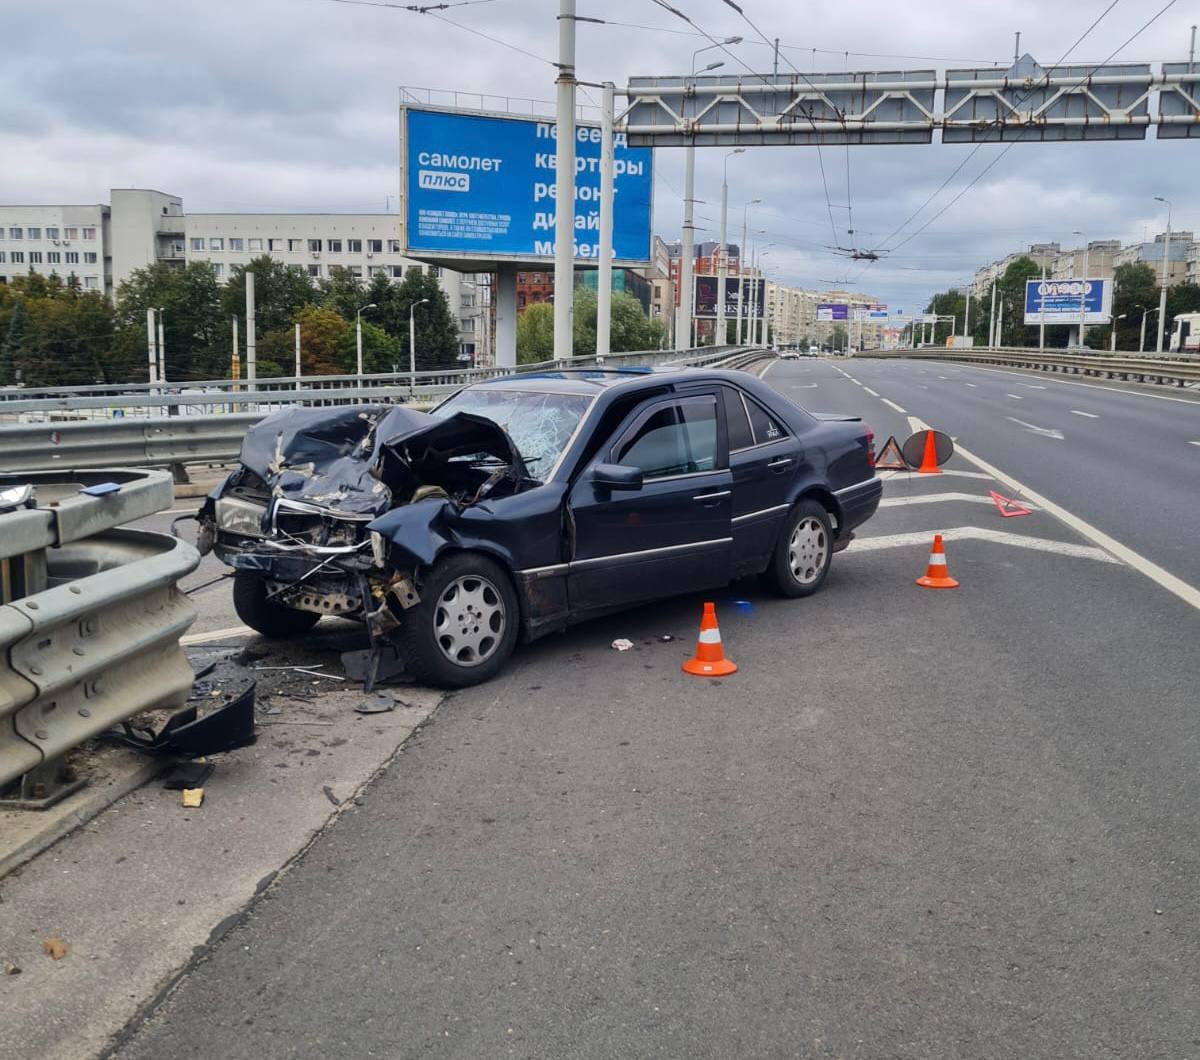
303	667
331	796
188	775
193	798
317	673
11	969
379	703
621	644
384	659
666	638
744	606
187	734
54	948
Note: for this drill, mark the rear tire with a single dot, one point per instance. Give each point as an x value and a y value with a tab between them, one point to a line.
466	625
271	619
803	552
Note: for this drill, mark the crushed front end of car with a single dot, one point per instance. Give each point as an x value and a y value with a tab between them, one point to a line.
293	519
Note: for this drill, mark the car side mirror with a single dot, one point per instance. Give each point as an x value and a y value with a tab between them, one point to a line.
617	477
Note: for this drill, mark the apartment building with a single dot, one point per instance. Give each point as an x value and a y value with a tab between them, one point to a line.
1151	254
1043	255
102	245
70	241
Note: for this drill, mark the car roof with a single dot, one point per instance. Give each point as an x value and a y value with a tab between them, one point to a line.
593	381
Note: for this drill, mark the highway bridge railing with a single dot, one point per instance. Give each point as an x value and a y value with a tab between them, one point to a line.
87	610
1129	367
203	437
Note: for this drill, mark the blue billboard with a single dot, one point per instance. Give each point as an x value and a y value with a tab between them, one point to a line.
1061	301
827	311
477	186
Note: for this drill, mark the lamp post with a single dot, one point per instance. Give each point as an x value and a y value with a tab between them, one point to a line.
1162	294
742	267
412	343
722	253
162	349
1142	343
1113	347
358	338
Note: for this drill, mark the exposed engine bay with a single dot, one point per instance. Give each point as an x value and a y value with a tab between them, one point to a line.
296	513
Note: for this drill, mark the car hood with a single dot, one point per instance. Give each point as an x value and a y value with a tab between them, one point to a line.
355	458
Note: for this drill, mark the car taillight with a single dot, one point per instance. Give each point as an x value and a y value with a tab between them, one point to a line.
870	447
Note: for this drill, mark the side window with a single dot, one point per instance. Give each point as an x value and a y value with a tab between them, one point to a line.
736	420
676	439
766	427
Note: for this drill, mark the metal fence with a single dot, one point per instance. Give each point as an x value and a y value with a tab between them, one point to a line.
1183	372
87	611
199	438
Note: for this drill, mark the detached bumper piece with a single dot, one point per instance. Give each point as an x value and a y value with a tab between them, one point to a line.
190	734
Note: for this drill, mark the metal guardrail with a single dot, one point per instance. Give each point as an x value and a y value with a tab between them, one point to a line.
210	396
89	610
177	440
1175	371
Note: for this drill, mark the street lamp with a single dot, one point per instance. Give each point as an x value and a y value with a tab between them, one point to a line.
722	254
162	349
358	336
1162	294
1113	347
742	266
412	343
708	48
1142	342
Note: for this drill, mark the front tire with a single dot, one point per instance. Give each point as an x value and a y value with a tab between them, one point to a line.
466	625
269	618
803	552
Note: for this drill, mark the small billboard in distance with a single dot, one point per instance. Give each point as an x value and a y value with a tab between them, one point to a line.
1062	301
830	311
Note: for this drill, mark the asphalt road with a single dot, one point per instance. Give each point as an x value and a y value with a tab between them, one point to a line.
1125	459
913	824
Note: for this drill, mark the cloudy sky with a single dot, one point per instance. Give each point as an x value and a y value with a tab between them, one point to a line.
256	105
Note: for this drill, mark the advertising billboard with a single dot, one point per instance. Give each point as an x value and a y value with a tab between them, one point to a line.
827	311
870	313
1061	301
478	187
705	302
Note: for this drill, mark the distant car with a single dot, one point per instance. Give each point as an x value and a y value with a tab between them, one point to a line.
814	351
527	503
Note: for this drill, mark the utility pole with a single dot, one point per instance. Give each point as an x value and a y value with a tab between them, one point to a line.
1042	313
723	252
297	356
604	277
235	362
992	319
151	347
1162	294
687	253
162	351
742	270
412	344
1142	340
564	184
776	70
358	341
251	341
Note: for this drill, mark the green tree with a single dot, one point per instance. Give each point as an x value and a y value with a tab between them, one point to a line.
535	334
343	292
382	352
194	329
280	291
630	329
14	333
435	324
323	333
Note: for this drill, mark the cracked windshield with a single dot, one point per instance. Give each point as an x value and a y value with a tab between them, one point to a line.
540	425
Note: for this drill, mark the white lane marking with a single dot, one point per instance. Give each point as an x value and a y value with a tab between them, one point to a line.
979	533
1033	386
912	476
180	511
1089	415
973	386
893	405
1094	386
1015	397
217	634
922	386
853	380
943	377
1193	443
1164	578
934	498
804	386
1045	432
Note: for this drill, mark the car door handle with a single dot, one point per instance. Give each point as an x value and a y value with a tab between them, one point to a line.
705	498
780	464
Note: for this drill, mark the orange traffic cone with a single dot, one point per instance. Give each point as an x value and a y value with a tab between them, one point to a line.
937	576
709	660
929	461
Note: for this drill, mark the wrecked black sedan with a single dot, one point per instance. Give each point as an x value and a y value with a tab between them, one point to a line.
530	502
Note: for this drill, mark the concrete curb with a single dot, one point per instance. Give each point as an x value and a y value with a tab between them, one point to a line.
90	805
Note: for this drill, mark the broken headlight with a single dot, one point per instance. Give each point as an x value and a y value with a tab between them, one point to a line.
378	548
236	516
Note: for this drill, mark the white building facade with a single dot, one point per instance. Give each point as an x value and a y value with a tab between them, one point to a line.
68	241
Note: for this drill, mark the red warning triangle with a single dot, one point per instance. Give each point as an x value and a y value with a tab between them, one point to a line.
890	458
1007	506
